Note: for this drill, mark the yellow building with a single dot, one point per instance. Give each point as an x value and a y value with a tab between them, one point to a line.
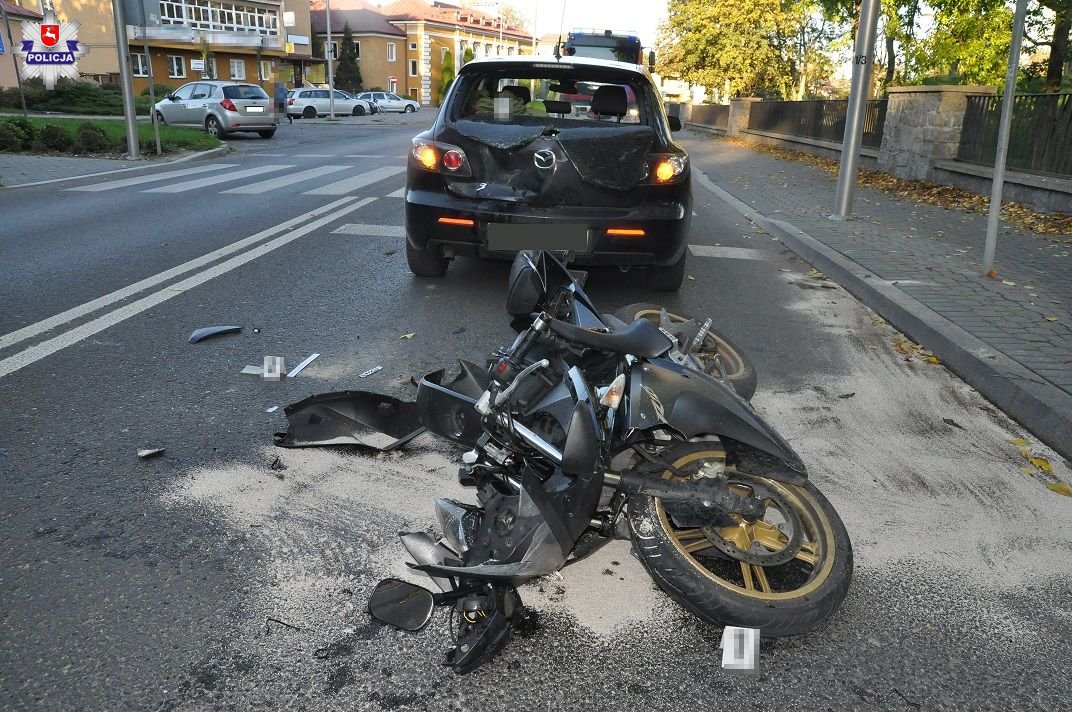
409	59
16	14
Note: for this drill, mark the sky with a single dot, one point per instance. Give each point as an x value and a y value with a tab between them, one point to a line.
640	16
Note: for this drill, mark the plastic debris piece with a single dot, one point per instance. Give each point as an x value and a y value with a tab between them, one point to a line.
253	370
274	368
953	423
847	395
302	365
152	452
407	336
209	331
350	418
273	409
371	371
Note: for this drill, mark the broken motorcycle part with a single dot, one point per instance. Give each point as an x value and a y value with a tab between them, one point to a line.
210	331
350	418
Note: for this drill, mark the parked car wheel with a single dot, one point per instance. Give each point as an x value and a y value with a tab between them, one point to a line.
359	110
425	263
160	119
213	126
666	279
409	109
266	134
309	112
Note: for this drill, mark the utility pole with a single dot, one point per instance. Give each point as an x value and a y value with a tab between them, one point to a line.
331	68
14	61
1007	102
863	58
152	80
125	81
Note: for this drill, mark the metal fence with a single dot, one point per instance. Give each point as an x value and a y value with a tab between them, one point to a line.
822	119
717	115
1040	137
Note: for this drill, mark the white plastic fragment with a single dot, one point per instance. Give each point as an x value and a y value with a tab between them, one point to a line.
371	371
152	452
303	364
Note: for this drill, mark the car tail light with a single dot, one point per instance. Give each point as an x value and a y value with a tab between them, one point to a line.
441	158
666	168
290	102
229	105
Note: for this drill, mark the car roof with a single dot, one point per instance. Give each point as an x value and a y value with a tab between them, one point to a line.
547	61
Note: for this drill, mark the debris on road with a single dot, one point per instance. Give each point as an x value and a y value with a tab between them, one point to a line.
210	331
350	418
955	424
843	396
268	629
407	336
274	368
277	464
371	371
302	365
152	452
1061	488
253	370
273	409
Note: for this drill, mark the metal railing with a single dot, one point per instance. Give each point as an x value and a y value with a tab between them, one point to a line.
822	119
717	115
1040	138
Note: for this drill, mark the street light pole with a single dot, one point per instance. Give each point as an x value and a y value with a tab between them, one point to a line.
862	59
125	81
331	70
1003	136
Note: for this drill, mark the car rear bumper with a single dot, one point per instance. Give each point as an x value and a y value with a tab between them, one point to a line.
665	226
246	122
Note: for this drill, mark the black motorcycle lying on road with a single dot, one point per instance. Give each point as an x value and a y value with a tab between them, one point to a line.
590	427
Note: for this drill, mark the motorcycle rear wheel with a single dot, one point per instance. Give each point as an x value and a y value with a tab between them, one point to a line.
740	372
787	599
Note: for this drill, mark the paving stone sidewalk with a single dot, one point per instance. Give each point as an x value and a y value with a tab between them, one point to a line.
932	256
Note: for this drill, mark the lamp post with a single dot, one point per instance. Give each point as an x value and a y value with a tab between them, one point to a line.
331	69
125	81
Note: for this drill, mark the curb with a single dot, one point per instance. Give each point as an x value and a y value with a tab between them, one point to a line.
1038	406
210	153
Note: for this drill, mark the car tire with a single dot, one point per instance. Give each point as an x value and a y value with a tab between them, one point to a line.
409	109
668	278
160	120
425	263
267	133
214	127
359	110
309	112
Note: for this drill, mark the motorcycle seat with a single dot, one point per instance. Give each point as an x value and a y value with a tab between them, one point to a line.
640	338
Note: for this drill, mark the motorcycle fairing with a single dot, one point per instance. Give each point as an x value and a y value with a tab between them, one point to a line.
350	418
448	410
661	392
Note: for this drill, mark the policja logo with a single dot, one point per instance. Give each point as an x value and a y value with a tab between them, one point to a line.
39	60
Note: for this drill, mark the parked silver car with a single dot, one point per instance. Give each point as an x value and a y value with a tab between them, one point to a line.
311	103
389	101
219	108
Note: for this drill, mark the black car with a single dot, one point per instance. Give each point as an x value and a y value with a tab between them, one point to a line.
568	154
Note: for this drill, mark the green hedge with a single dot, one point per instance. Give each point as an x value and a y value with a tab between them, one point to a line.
72	97
96	137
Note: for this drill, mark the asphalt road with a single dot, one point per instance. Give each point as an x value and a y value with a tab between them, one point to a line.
204	579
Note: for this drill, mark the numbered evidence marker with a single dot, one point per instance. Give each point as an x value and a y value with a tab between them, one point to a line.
740	649
274	368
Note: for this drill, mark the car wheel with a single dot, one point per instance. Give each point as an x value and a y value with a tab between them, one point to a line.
160	119
213	126
359	110
267	133
666	279
309	112
409	108
425	263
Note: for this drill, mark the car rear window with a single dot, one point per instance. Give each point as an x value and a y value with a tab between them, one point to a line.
244	91
559	96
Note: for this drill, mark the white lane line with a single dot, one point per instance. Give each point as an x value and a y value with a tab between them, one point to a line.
126	182
271	155
370	230
69	338
357	182
213	180
362	155
400	193
283	181
312	155
52	322
732	253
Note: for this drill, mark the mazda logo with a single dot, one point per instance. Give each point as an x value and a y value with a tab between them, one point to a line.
544	160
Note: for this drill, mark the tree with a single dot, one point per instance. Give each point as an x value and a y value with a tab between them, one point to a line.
1058	44
968	45
347	73
446	77
467	56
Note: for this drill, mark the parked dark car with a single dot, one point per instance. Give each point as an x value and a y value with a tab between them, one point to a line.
533	152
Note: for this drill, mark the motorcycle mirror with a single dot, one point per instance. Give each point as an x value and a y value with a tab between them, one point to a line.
401	604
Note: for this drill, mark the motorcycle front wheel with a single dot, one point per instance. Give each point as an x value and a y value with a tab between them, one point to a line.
740	372
712	571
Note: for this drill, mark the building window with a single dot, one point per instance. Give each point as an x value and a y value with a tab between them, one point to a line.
238	69
357	48
227	16
265	70
412	46
138	64
487	49
413	67
510	51
390	51
176	66
498	50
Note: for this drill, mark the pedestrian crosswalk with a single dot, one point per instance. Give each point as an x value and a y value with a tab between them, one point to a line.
232	179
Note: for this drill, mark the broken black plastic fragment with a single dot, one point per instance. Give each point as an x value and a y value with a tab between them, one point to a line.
350	418
210	331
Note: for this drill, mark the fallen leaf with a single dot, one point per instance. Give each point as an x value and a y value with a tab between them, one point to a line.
1027	470
692	278
1025	453
955	424
783	269
1060	488
1051	318
1019	442
992	274
407	336
932	359
1041	463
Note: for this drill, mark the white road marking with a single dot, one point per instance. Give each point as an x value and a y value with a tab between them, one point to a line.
283	181
126	182
362	155
370	230
271	155
733	253
357	182
69	338
213	180
312	155
89	307
400	193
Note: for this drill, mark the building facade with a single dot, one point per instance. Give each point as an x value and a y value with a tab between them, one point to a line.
16	15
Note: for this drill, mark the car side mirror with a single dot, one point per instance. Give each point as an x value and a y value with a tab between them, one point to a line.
675	123
172	97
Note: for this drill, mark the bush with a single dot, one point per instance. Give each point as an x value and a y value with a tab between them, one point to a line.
161	90
11	137
26	130
76	149
92	138
38	147
55	138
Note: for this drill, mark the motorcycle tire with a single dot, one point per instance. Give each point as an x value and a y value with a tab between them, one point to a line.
789	599
740	373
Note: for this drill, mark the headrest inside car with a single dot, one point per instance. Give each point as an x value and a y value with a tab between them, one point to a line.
610	101
520	92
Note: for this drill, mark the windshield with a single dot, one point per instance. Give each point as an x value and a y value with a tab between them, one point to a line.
244	91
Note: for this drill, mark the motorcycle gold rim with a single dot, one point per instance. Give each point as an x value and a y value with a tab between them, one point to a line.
731	360
817	551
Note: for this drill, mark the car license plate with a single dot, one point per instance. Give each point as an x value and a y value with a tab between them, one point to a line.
511	237
254	109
